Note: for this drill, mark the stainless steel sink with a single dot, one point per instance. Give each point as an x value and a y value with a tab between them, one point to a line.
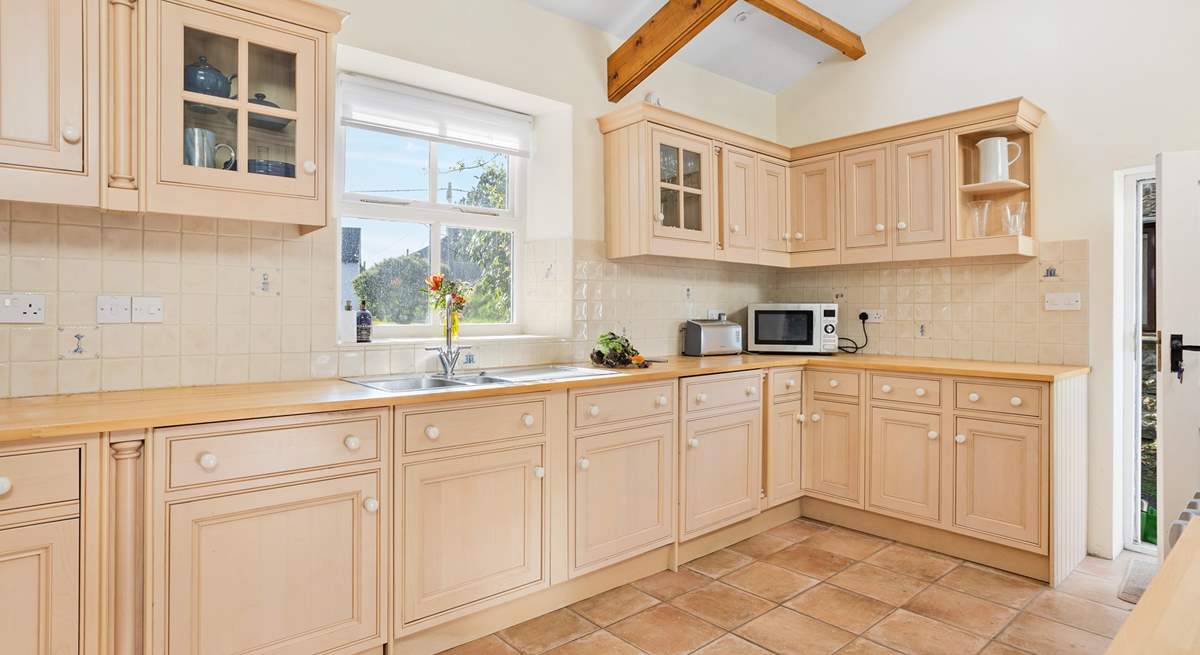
425	383
402	384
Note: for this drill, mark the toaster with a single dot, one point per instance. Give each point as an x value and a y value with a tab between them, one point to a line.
712	337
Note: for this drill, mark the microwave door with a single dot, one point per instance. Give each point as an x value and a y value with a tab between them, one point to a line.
784	330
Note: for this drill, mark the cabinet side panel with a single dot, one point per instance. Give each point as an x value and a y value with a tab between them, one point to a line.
622	191
1068	476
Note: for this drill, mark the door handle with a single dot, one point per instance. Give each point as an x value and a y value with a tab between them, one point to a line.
1177	350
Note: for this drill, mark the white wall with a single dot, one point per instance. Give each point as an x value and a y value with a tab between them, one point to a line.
1118	82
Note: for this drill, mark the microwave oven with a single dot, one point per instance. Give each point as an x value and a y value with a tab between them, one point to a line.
792	328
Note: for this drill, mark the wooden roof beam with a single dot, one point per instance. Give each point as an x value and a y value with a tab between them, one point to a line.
814	24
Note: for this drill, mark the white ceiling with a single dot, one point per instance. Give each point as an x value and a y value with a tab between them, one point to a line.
761	51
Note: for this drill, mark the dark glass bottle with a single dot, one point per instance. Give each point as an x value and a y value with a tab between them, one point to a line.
363	322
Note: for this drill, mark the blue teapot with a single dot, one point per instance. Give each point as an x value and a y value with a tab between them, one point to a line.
202	77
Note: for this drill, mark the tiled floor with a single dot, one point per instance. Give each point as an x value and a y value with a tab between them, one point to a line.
806	588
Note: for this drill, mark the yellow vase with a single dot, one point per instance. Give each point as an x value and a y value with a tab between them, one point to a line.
453	324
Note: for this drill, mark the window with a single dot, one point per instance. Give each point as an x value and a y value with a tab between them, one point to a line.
430	183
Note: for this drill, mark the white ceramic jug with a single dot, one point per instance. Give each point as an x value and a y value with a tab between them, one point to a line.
993	158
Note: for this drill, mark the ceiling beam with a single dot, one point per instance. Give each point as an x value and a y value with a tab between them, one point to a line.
814	24
668	30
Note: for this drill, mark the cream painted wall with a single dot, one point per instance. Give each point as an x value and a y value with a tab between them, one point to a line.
1117	80
514	44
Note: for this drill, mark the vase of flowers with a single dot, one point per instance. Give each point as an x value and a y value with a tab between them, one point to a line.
449	297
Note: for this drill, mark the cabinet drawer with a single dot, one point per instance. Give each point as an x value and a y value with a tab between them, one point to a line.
923	391
724	390
624	404
786	384
236	450
462	425
1008	399
836	383
39	478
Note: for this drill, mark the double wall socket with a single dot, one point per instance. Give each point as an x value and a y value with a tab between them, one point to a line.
126	309
875	315
22	308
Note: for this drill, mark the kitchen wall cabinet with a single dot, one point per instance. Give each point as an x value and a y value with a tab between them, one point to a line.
39	576
922	212
738	190
866	206
815	211
905	467
991	455
774	200
49	101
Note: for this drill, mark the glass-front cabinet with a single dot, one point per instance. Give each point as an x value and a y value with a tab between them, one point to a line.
241	113
682	193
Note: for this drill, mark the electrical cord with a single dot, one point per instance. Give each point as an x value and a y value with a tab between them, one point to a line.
854	346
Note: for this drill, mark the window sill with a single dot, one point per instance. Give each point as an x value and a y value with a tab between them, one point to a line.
400	342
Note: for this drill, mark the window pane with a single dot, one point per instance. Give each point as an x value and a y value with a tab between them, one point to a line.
483	258
387	165
669	207
472	177
691	169
668	164
386	263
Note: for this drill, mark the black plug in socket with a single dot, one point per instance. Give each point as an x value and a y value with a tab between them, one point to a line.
862	316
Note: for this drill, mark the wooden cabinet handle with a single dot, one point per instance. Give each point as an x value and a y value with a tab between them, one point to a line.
701	397
749	391
310	166
973	397
539	472
660	217
933	434
816	418
735	228
786	236
5	485
432	433
879	227
901	225
799	236
800	417
1016	401
661	401
834	383
920	392
527	420
960	438
371	505
584	464
352	442
887	388
594	410
71	134
790	383
693	443
207	461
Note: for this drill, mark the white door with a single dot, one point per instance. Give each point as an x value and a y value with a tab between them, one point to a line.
1178	310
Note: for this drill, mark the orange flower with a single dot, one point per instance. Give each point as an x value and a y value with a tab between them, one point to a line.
458	300
435	281
638	359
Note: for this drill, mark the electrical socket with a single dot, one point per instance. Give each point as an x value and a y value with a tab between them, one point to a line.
875	315
113	309
22	308
714	314
147	309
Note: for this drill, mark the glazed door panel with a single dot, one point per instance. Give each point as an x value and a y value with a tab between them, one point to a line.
833	450
905	462
816	208
294	569
623	493
472	529
921	198
784	452
773	221
990	455
42	82
865	214
738	199
39	589
682	185
722	470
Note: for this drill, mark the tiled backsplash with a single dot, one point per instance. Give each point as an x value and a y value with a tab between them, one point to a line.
218	329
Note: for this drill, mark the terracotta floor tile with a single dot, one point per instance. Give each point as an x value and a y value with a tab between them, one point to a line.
717	564
1111	568
614	605
914	634
997	648
732	645
489	645
880	584
760	545
665	630
668	584
847	543
912	561
722	605
976	615
844	609
997	587
797	530
861	646
1078	612
1101	590
769	581
790	633
810	561
546	631
1043	637
597	643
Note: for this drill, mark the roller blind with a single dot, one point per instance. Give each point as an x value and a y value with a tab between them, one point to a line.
374	103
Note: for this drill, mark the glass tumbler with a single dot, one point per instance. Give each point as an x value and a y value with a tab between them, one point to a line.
1014	216
980	210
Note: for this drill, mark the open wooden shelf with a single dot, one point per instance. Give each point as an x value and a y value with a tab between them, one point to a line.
1017	188
998	186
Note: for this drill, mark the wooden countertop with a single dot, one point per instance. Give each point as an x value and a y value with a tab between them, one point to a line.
51	416
1164	621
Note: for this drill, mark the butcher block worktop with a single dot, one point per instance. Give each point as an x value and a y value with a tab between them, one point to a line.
51	416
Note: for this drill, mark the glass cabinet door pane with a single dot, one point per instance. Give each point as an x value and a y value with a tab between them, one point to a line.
693	216
209	136
668	164
272	77
272	145
691	169
669	206
210	63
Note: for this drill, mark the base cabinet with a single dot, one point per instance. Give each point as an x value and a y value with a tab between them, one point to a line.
833	451
39	589
992	455
905	463
785	445
293	569
722	470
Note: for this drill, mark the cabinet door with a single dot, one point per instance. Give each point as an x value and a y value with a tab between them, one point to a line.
815	206
295	569
39	589
623	500
784	449
865	213
921	198
42	83
472	529
989	455
739	196
774	231
905	462
722	470
833	450
682	189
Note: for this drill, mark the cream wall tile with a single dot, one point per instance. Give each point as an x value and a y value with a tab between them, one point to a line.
160	340
79	376
34	274
121	276
121	374
33	378
121	341
33	344
120	244
34	239
197	370
78	342
161	372
264	368
162	246
233	369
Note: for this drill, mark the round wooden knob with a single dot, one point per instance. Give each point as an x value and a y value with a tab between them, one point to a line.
790	383
310	167
973	397
539	472
432	433
749	391
594	410
207	461
816	418
371	505
527	420
71	134
786	236
834	383
933	434
960	438
584	464
352	442
661	401
920	392
800	418
735	228
1015	401
5	485
901	225
887	388
799	236
661	217
879	227
693	443
701	397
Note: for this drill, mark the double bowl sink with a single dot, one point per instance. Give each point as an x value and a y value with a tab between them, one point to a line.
497	377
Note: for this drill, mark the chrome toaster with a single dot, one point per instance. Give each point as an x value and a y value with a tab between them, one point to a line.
712	337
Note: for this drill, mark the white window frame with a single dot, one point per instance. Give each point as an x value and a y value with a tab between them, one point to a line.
435	216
